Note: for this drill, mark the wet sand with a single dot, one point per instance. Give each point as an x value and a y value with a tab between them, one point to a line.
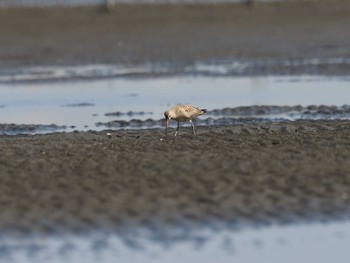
259	173
178	34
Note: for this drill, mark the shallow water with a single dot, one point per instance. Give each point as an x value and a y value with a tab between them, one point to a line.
81	104
316	242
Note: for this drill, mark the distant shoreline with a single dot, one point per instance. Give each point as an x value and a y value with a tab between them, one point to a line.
179	35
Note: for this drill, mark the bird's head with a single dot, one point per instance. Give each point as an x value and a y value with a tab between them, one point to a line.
167	115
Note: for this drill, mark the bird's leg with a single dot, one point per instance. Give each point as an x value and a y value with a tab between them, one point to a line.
193	129
178	127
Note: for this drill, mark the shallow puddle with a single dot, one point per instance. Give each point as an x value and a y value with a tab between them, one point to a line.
81	104
315	242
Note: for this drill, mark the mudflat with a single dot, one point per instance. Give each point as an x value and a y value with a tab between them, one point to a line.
260	173
132	34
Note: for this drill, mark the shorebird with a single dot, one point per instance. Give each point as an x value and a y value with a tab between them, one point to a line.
183	113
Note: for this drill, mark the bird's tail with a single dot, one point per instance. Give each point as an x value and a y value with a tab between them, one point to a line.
203	111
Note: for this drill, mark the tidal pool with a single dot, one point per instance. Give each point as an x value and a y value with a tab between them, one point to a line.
312	242
82	104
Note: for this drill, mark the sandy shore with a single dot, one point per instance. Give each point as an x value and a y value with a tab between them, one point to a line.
259	173
178	34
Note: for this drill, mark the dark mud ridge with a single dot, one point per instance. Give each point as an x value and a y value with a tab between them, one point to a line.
11	129
129	113
82	104
273	109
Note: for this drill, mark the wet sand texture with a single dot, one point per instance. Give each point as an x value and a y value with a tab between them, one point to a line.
259	173
174	33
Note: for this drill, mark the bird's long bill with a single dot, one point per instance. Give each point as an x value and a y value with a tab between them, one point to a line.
167	125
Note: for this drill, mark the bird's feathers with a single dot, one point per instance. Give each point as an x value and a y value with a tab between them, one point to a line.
185	112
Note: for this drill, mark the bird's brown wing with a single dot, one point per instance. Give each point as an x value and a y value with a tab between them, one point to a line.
192	111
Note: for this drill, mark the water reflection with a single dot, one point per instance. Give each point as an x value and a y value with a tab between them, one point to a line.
314	242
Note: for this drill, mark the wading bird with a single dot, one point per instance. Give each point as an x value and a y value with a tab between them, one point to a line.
183	113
